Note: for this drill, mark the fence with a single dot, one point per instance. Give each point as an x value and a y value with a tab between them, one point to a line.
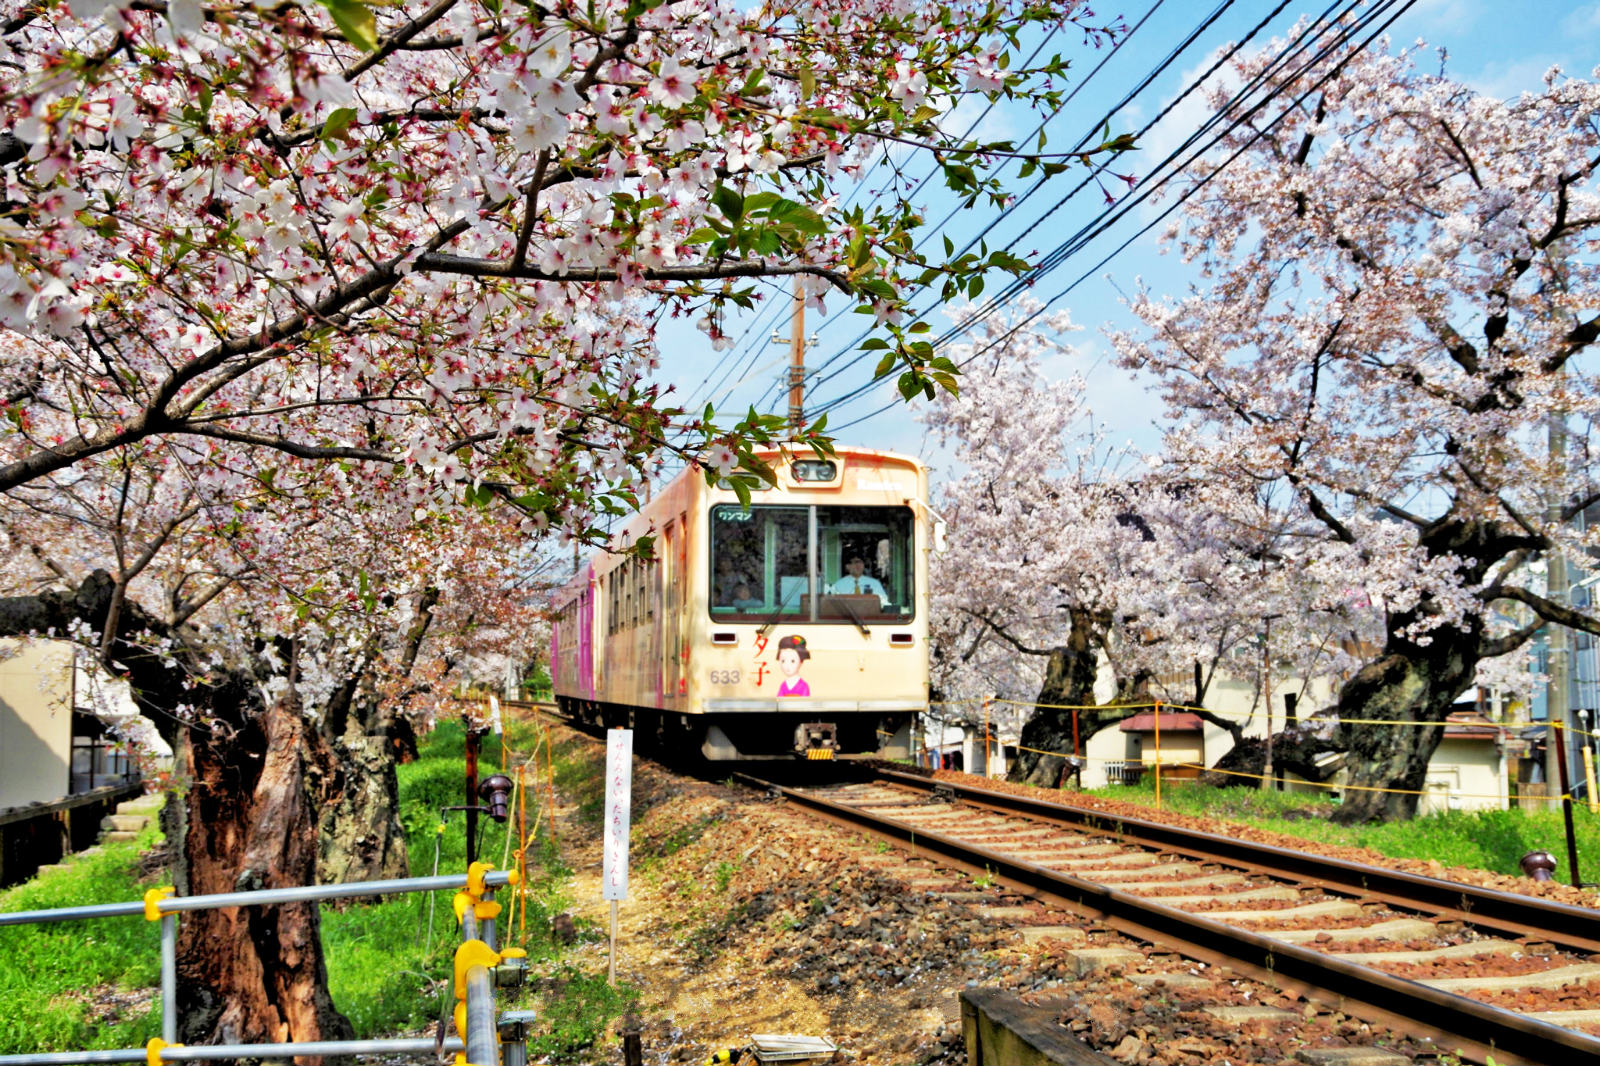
479	969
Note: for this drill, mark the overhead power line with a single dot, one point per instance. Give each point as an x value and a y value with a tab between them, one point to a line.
1110	217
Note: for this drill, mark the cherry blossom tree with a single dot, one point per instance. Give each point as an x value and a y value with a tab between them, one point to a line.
436	239
1066	556
1396	320
289	633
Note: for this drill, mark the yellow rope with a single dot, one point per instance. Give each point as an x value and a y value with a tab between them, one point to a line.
1353	788
1163	704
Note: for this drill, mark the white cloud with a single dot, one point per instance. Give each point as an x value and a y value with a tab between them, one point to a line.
1582	21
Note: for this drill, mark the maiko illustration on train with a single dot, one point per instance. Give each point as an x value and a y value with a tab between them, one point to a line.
791	653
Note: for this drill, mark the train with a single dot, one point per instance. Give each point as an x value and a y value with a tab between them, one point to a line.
794	628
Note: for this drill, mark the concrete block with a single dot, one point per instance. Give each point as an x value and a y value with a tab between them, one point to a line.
1454	951
1332	908
1001	1030
1253	1014
1034	934
1586	971
1394	929
1169	980
1088	960
1351	1056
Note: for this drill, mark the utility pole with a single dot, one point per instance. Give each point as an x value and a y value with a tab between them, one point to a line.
1558	692
797	354
1266	689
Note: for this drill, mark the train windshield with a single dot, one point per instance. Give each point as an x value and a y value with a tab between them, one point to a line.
843	565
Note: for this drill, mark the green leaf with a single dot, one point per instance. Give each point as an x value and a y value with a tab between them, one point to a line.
761	469
909	385
729	202
338	123
356	21
808	83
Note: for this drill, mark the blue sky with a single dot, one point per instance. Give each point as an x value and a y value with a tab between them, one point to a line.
1500	48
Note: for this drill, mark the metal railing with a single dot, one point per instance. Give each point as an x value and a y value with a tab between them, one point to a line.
479	968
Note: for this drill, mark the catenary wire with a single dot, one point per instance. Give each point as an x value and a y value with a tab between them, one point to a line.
1403	6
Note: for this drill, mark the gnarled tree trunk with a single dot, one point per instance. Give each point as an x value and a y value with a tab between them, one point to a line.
1408	684
1069	678
359	836
252	974
243	821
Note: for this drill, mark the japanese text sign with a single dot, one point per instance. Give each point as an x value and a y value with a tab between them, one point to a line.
619	788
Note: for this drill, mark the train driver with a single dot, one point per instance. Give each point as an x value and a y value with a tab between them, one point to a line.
727	581
856	581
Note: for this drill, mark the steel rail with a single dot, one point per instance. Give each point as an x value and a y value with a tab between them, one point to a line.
1486	908
1376	997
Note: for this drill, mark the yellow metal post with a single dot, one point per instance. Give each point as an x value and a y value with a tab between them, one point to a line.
1588	774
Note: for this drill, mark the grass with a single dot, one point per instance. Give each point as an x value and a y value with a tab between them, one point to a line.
388	973
388	963
1487	839
47	972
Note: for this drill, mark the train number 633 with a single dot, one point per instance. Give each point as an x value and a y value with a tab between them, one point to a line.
724	677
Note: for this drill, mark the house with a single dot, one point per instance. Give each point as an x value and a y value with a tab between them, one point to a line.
1469	770
69	743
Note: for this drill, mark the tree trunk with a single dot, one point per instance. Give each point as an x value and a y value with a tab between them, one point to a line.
1408	684
252	974
245	821
359	837
1069	678
1293	751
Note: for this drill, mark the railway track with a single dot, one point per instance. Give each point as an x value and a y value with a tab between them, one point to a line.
1382	946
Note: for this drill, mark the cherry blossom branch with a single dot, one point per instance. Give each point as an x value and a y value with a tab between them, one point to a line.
1000	631
443	263
395	40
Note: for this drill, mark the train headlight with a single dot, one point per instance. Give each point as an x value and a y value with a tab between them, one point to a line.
814	470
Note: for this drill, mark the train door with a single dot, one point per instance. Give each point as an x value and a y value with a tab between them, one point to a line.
586	639
673	558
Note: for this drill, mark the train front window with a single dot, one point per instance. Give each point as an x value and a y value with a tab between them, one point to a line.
829	564
868	567
759	561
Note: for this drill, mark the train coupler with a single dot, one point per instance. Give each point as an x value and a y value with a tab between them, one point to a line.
816	740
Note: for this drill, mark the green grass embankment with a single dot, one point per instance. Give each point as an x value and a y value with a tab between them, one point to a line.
72	986
94	984
1487	840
